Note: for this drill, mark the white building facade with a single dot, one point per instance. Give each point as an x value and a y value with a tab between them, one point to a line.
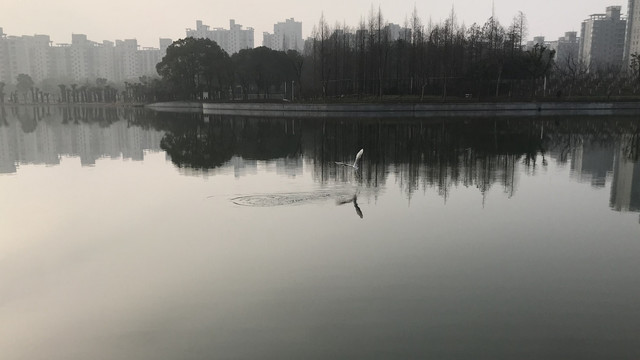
632	40
82	60
286	36
24	55
602	39
232	40
567	49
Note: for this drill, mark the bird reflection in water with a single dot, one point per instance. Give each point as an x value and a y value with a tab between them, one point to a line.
353	200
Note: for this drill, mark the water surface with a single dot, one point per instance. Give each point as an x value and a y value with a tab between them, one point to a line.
128	234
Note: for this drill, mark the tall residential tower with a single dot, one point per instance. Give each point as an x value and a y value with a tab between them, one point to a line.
231	41
602	39
286	36
632	41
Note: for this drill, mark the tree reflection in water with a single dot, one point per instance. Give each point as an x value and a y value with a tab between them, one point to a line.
476	152
428	153
423	153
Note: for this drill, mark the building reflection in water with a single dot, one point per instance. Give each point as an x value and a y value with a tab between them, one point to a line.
41	135
439	154
625	188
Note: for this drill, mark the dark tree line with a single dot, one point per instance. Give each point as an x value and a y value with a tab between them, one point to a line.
436	60
145	89
377	60
193	66
372	60
100	92
24	91
439	61
198	69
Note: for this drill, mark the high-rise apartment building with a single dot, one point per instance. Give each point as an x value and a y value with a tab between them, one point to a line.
126	66
397	32
4	57
24	55
239	39
147	59
81	57
105	60
537	40
286	36
18	57
60	64
82	60
567	49
269	40
632	41
602	39
39	57
164	44
231	41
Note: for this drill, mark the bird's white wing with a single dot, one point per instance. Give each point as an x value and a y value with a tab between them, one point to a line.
358	156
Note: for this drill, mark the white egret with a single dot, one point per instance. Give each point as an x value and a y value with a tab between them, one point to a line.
355	163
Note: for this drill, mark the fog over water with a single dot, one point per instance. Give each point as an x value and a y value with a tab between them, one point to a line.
130	234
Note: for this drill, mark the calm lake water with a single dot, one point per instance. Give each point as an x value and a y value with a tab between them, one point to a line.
130	234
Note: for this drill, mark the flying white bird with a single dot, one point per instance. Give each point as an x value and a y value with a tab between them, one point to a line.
355	163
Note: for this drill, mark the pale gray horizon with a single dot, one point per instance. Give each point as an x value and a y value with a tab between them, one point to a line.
147	21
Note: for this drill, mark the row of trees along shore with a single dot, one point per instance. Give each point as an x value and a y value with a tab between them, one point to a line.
442	61
427	62
99	91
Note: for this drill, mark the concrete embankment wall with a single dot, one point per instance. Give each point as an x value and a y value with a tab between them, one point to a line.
404	110
177	106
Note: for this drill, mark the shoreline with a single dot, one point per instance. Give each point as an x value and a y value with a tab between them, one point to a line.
64	104
402	110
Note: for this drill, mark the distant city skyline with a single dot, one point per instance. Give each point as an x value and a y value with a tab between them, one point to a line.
149	21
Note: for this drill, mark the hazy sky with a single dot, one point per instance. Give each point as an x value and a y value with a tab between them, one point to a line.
149	20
